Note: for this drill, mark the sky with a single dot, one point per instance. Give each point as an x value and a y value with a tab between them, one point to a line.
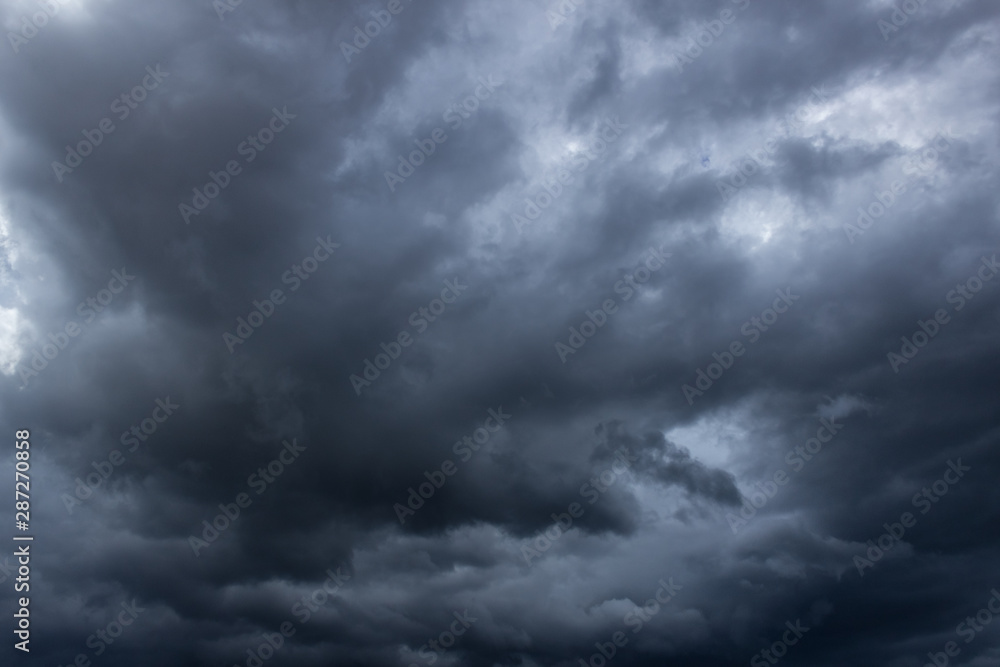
525	333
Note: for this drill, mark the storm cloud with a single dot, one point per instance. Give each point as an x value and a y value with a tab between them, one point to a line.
321	316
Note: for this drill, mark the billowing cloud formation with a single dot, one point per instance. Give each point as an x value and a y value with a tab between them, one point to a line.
327	318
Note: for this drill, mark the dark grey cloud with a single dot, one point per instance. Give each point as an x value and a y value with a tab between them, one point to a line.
617	195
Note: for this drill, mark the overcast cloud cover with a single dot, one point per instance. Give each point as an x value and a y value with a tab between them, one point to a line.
582	306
